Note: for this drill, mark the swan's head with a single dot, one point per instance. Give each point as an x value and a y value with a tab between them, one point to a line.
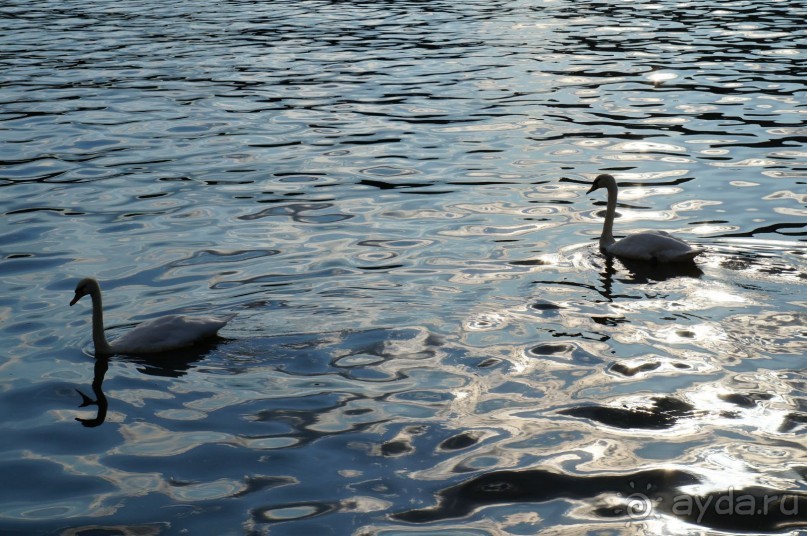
602	181
86	286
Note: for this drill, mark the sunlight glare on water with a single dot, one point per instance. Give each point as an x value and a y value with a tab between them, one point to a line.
391	196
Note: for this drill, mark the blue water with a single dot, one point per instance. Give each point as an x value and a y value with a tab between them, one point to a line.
391	196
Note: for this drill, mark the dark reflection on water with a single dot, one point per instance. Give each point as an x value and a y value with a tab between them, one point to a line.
391	197
100	401
659	487
663	413
169	365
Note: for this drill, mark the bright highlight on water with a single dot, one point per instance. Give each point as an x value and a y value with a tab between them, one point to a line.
391	197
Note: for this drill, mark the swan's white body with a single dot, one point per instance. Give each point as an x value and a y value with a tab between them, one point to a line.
153	336
656	246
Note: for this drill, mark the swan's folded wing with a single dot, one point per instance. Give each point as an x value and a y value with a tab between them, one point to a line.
168	333
656	245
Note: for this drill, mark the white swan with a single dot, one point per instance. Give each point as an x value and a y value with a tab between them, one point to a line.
656	246
158	335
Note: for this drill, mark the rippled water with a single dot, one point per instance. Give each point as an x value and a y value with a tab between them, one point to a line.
391	197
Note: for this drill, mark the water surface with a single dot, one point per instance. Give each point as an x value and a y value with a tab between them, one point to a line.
391	197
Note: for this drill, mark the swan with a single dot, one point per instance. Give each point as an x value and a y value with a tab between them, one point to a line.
656	246
153	336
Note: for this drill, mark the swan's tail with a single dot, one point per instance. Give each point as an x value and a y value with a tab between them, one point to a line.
221	321
228	317
687	256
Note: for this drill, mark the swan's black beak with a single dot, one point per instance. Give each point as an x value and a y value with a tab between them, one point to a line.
76	298
593	187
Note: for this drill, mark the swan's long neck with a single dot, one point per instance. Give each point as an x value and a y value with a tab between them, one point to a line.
102	346
607	237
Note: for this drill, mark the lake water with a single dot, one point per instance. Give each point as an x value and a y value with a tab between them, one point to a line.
391	195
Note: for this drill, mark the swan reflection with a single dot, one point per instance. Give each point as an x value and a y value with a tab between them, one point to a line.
641	273
101	366
173	365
